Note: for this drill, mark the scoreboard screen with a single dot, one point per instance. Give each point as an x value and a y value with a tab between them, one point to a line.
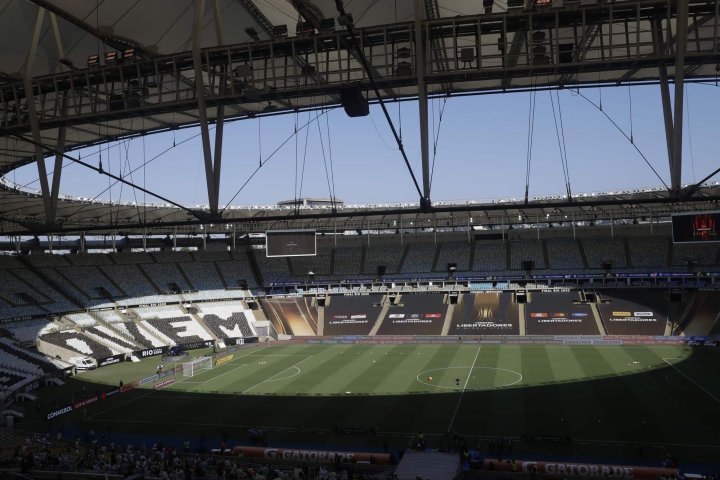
696	227
290	243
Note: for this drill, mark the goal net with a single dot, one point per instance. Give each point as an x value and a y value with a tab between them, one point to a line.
190	369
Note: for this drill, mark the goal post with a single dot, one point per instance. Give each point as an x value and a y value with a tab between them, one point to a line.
190	369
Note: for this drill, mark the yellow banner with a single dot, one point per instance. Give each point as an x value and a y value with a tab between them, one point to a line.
224	360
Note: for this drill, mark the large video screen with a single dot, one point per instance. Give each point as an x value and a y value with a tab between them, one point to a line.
290	243
696	227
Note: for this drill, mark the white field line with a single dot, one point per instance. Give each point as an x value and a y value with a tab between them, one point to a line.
218	376
151	391
278	373
693	381
452	420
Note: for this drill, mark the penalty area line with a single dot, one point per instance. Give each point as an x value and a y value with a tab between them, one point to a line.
693	381
270	379
151	391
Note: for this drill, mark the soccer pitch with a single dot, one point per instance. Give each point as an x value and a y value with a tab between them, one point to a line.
596	394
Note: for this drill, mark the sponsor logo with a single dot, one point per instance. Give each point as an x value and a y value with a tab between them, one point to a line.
358	316
57	413
151	352
396	315
579	314
643	314
622	314
109	361
415	315
308	455
538	315
432	315
224	360
86	402
110	393
164	383
340	317
149	379
559	315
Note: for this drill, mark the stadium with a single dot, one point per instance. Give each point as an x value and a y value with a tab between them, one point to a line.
167	314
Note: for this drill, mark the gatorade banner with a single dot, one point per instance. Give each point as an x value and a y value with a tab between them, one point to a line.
224	360
590	470
320	456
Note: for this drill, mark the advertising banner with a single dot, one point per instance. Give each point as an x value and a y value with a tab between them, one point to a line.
589	470
59	412
103	362
164	383
224	360
194	345
150	352
320	456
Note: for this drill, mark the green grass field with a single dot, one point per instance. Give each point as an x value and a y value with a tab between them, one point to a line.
602	397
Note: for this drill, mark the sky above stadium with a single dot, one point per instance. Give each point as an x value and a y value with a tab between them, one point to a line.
481	153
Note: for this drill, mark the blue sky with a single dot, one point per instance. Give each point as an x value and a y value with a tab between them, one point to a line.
481	151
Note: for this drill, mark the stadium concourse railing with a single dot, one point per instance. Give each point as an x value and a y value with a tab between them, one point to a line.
709	341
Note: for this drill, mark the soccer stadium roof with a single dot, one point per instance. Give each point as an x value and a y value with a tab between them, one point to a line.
102	70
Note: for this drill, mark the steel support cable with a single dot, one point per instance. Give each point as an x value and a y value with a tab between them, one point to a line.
531	128
295	183
642	155
437	137
368	71
327	173
92	167
561	145
108	149
277	149
689	132
332	168
632	137
562	133
302	175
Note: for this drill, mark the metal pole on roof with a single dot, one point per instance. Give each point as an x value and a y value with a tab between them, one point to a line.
212	168
32	115
680	45
661	49
422	100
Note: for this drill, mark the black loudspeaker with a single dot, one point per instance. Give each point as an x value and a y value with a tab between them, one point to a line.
527	265
566	52
321	301
675	297
606	266
590	297
381	271
451	267
353	102
521	297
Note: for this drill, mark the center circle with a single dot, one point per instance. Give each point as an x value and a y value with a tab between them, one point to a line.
481	378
